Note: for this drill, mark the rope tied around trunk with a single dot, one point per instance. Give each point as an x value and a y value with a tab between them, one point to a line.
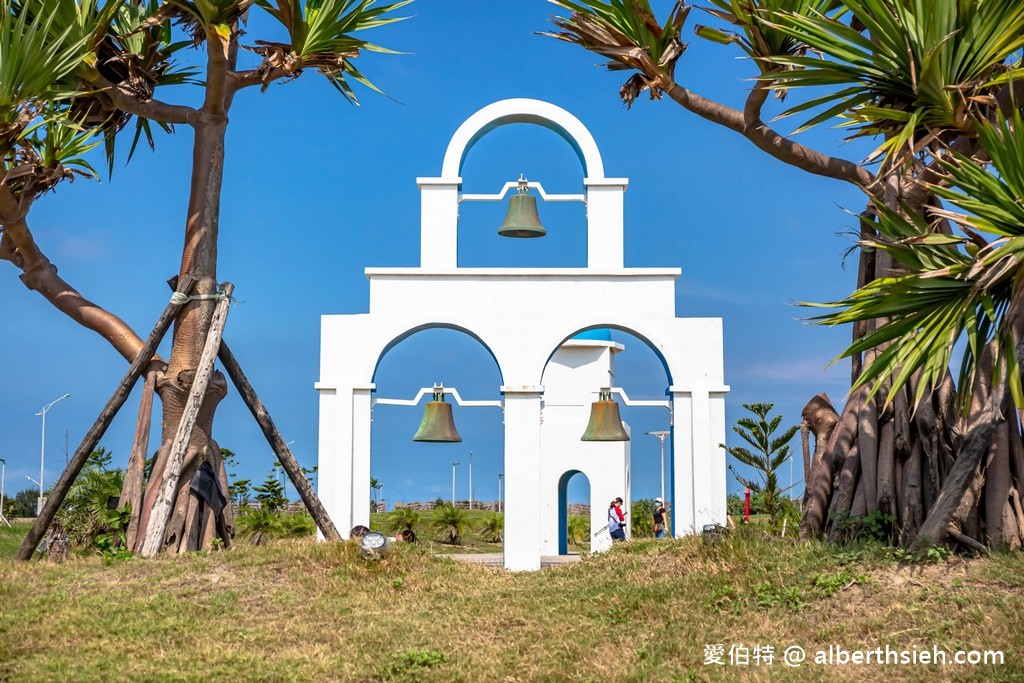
179	299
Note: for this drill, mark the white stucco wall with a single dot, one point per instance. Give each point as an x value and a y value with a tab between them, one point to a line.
523	316
578	369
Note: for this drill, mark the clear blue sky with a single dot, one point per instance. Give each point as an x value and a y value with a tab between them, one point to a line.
316	190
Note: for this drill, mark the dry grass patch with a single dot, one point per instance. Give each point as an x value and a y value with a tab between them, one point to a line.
300	610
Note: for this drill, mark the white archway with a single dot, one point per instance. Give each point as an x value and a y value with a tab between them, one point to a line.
501	307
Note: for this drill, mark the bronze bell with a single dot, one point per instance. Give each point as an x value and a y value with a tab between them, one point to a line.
437	425
605	423
522	220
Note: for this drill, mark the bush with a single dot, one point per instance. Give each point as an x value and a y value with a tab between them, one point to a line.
401	520
578	531
493	528
641	523
258	525
450	523
83	513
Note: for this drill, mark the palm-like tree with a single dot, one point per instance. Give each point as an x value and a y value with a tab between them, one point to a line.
928	80
450	523
77	72
375	487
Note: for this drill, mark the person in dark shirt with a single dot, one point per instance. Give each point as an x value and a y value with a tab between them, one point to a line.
660	515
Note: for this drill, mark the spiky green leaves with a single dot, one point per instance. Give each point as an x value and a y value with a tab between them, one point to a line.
961	285
908	70
629	35
321	34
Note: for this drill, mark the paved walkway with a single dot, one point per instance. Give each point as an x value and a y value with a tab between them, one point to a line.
495	559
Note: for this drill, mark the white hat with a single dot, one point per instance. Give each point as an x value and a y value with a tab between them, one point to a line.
658	500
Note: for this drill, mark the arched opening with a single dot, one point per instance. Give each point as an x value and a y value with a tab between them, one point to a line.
610	356
574	506
419	475
540	155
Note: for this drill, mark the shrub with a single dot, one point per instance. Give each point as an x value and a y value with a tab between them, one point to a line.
771	453
493	528
578	531
402	519
83	513
450	523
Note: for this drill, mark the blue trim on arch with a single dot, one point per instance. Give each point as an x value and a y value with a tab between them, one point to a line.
435	326
525	118
606	328
563	509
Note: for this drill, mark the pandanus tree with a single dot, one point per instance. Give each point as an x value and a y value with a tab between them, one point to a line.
926	440
75	74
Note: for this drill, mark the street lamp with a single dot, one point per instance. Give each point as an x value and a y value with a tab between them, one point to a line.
42	451
661	437
453	483
3	478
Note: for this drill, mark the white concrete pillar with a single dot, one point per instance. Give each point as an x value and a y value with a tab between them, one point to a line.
522	477
703	494
361	405
605	222
439	220
683	518
335	455
719	473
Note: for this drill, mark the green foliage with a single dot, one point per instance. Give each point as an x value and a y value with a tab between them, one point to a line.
953	287
770	595
271	493
112	545
24	503
409	665
320	35
297	525
450	524
578	531
922	67
401	519
83	515
641	523
258	525
238	489
493	528
771	453
878	526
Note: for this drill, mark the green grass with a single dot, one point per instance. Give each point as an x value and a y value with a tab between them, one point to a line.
472	541
297	610
11	537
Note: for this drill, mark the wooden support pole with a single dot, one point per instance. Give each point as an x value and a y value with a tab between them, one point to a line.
134	476
164	503
287	460
95	433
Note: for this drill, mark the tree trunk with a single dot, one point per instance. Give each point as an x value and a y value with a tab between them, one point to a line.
164	502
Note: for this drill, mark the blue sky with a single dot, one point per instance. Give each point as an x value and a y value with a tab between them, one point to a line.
316	190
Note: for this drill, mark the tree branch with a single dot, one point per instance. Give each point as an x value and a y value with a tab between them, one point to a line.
40	275
154	110
237	80
767	140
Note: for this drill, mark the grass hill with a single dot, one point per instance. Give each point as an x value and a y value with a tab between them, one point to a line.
298	610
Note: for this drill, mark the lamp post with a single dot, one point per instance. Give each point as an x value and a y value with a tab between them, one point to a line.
3	479
453	483
661	437
42	451
471	480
